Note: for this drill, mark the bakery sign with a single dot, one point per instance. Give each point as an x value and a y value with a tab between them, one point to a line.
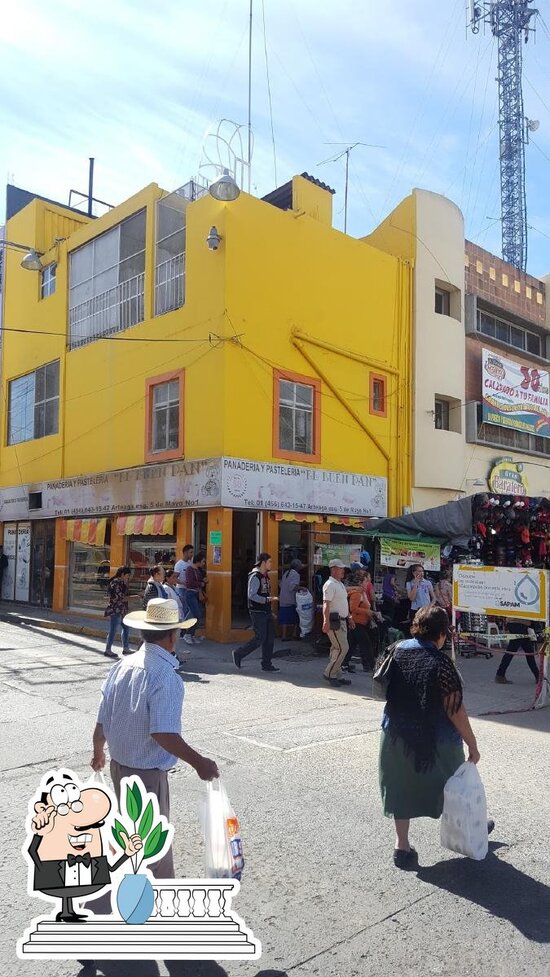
236	483
508	478
515	396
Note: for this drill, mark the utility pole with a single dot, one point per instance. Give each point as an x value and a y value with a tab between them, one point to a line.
510	23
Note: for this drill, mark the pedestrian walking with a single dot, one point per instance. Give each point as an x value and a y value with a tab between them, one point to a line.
170	586
360	638
443	592
140	715
423	728
154	586
419	590
290	584
195	596
180	567
336	619
523	644
117	608
259	605
3	566
390	595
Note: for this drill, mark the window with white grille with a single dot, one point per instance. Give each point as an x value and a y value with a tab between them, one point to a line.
296	408
106	282
165	406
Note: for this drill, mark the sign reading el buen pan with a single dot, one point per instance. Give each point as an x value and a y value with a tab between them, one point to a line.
236	483
501	591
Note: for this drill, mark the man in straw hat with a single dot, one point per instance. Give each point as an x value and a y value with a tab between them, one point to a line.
140	713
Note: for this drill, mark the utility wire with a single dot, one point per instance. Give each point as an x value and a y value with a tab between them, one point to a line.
269	95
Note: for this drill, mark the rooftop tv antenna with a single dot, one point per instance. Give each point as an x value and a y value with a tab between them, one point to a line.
333	159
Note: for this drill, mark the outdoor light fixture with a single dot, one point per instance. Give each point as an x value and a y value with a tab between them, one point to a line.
214	239
225	188
31	261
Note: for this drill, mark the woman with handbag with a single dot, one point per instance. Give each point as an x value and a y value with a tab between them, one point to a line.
117	608
423	728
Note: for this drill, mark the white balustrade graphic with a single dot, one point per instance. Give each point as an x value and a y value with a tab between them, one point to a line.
192	920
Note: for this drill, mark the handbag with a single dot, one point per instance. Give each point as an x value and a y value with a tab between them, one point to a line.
382	671
335	621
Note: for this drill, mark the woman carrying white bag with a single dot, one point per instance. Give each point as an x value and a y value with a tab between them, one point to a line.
423	729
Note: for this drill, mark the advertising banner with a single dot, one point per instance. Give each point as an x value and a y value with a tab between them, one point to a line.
325	552
404	553
502	591
10	550
515	396
23	562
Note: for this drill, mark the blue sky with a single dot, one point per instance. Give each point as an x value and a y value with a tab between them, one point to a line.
137	85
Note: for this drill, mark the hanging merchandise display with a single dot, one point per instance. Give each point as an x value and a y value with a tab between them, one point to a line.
511	531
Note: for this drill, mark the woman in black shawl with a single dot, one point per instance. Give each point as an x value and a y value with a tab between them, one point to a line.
423	728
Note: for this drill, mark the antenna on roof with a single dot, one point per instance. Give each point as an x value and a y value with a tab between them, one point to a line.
333	159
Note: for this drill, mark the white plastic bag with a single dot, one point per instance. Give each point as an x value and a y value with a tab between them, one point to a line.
305	609
464	818
222	835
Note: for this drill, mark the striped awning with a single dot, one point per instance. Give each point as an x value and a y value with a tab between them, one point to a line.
296	517
153	524
90	531
354	521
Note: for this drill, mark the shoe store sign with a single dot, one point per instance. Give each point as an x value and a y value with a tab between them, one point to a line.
501	591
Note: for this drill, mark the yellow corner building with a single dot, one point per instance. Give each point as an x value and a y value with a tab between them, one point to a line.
232	374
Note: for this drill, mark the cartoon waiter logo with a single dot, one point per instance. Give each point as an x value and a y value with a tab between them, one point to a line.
66	846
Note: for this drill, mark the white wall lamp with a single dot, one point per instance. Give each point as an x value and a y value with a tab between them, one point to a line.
31	260
214	239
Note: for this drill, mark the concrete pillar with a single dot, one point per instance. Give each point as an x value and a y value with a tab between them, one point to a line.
218	608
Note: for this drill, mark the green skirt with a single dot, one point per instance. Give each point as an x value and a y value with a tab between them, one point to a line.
408	794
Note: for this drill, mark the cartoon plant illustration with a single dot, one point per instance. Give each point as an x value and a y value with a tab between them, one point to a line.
135	896
153	838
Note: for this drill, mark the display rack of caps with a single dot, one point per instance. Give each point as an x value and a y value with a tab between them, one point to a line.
511	531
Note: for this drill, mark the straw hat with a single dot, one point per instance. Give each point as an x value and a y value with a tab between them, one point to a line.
161	614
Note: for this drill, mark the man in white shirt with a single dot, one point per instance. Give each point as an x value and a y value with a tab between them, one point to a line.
336	620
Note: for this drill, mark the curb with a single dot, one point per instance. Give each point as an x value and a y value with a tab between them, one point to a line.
66	626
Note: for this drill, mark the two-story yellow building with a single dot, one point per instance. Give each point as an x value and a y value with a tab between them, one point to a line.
232	374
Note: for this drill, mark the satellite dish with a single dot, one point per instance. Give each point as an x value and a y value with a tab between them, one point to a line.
533	124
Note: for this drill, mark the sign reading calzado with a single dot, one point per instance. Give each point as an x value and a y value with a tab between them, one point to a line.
515	396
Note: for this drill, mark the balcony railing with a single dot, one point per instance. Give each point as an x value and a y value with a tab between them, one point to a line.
112	311
170	284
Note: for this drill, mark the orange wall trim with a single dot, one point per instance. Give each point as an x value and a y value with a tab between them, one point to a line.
315	457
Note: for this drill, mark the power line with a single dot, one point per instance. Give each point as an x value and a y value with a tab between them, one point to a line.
269	96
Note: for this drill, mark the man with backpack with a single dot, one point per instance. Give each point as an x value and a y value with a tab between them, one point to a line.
259	605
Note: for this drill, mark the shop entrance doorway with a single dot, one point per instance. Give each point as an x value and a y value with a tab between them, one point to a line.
245	548
42	562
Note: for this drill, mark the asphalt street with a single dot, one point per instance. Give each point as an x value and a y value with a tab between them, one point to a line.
299	760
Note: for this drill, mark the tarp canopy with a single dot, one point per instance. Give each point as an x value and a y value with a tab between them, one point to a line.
451	523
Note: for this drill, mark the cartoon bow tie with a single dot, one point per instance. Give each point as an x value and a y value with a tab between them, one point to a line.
73	859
